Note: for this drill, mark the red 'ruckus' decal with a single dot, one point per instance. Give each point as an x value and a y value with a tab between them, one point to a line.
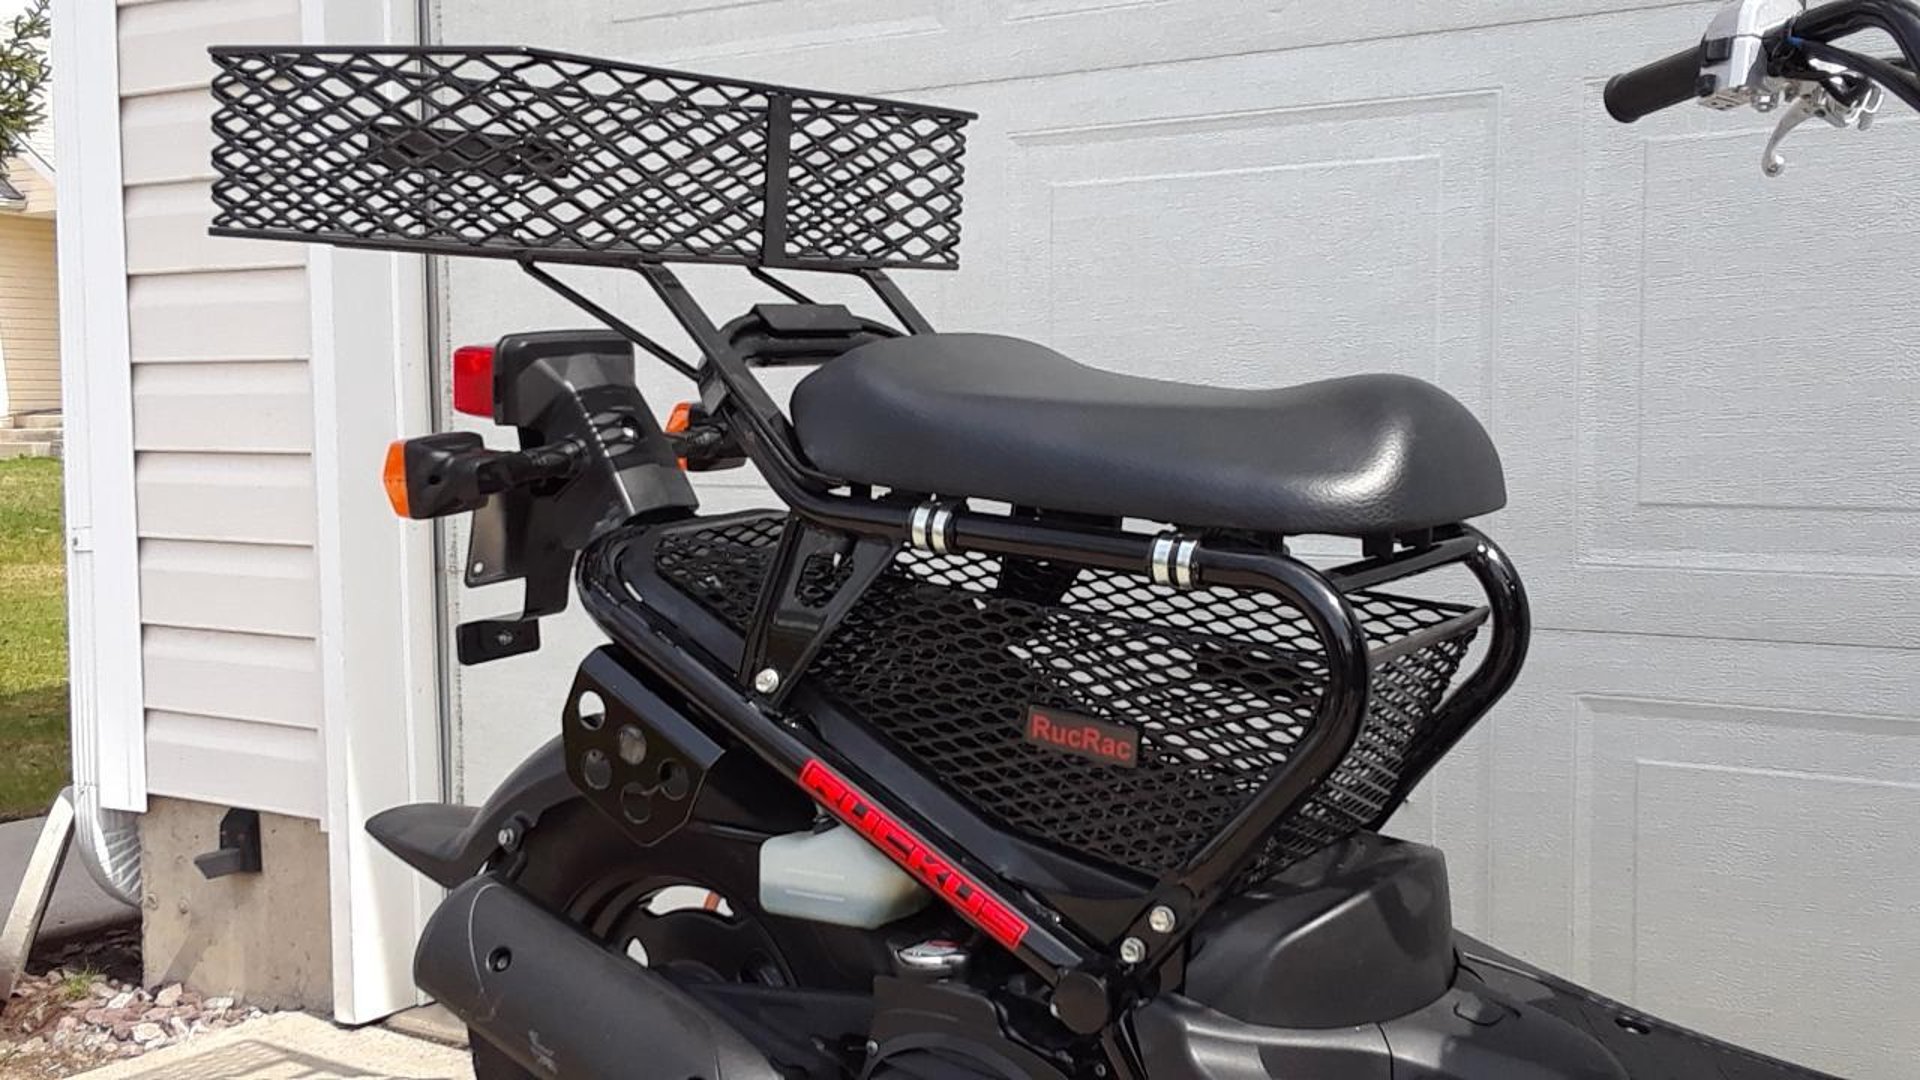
947	881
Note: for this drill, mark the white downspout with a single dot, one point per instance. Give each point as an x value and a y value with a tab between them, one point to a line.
108	722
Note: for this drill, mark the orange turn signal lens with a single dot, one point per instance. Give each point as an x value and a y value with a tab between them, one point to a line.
678	421
394	475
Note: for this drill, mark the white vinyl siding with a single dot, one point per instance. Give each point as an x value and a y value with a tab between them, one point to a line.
219	332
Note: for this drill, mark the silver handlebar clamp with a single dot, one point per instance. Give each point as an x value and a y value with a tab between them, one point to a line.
1734	72
1733	54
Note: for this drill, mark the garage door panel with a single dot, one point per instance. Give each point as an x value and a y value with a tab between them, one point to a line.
705	30
1747	398
1710	816
1209	231
877	46
1452	811
1276	246
1711	830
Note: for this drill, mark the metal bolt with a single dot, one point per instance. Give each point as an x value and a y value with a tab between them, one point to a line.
509	837
766	681
872	1048
1133	950
1162	920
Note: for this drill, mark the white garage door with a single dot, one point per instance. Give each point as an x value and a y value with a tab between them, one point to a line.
1704	796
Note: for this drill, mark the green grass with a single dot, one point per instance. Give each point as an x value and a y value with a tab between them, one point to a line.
33	638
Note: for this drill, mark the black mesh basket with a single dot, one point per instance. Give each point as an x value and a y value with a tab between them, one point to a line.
945	655
529	153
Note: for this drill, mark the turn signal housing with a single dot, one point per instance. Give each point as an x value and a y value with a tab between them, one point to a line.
436	475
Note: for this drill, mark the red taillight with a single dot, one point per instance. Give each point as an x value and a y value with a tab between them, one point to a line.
473	380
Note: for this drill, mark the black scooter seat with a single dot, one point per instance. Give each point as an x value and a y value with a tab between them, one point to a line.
1000	418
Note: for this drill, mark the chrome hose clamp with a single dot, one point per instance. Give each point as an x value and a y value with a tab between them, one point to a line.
931	528
1171	561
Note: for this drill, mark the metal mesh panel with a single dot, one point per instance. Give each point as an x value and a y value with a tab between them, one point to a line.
945	653
528	152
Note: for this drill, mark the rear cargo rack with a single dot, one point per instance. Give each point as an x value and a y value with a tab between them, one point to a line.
945	653
531	154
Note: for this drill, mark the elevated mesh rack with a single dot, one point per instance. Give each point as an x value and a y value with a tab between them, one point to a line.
525	153
945	653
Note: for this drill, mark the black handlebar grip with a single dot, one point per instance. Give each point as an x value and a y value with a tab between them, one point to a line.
1649	89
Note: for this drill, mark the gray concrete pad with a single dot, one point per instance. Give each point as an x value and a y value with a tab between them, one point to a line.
78	906
295	1046
431	1022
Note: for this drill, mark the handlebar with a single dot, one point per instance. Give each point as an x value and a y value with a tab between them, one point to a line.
1646	90
1786	50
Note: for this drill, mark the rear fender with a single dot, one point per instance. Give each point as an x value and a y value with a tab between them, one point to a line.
451	843
715	784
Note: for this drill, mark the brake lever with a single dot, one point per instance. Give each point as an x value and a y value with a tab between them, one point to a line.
1806	101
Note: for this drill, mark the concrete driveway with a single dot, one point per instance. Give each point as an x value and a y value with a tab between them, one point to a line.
295	1046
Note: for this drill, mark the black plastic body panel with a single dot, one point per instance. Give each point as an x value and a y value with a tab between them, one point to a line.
1475	1032
946	1031
1360	933
451	843
572	388
1180	1040
1647	1047
1500	1019
1470	1033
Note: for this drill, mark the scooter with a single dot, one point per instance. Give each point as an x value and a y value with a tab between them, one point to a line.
1020	742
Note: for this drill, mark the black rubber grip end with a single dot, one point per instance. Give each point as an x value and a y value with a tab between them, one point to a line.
1659	85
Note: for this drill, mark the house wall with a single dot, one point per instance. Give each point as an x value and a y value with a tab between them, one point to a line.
220	334
261	386
29	310
29	180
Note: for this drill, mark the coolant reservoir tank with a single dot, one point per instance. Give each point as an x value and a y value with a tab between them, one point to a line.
835	877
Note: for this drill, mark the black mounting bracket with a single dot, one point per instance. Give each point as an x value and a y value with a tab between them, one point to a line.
574	388
239	850
635	757
816	579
